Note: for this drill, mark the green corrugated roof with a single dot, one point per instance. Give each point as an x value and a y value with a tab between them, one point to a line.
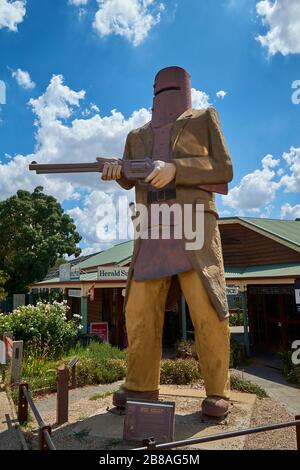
114	255
83	277
268	270
287	230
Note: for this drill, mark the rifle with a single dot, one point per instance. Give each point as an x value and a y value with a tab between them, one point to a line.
132	170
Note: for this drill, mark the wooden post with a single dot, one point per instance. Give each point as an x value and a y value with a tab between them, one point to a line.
298	433
16	362
62	405
22	405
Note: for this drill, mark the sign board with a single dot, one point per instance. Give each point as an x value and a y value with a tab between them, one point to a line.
145	419
67	272
75	293
18	300
112	273
100	329
297	294
232	290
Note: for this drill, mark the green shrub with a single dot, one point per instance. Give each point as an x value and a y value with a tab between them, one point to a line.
236	318
98	364
245	386
43	328
179	371
290	371
186	349
237	354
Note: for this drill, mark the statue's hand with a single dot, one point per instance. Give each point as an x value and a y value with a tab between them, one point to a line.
111	171
162	174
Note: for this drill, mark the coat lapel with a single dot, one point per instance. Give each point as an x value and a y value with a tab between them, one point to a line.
179	126
146	133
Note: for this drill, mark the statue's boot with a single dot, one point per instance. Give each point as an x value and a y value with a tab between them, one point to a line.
120	397
215	407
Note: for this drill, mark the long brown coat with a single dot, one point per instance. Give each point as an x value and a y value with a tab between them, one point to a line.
199	152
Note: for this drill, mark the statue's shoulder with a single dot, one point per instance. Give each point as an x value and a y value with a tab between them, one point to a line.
202	113
139	130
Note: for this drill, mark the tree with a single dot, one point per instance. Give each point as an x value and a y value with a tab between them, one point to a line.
3	280
34	233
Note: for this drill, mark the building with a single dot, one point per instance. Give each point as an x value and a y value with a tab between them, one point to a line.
262	262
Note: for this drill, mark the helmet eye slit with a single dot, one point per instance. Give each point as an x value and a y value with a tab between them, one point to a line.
170	88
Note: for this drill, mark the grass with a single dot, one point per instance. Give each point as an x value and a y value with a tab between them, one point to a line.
99	396
243	385
98	364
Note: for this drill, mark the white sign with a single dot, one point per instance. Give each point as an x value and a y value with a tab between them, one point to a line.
232	290
112	273
68	273
75	293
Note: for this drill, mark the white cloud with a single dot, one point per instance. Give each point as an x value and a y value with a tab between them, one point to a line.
11	14
23	79
132	19
290	212
256	190
221	94
78	3
282	18
61	137
291	180
200	99
101	208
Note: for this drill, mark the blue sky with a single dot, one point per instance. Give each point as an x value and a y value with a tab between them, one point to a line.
103	56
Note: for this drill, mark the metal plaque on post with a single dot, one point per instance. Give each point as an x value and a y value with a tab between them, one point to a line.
149	419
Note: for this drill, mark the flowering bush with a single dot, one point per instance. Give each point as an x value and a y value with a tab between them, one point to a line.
44	328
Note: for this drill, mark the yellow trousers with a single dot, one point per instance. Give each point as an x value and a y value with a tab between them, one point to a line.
144	322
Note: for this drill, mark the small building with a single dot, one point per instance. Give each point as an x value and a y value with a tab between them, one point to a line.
262	262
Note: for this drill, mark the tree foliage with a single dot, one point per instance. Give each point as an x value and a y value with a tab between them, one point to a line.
34	233
3	280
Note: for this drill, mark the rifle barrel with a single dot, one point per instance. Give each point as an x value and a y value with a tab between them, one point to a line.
47	168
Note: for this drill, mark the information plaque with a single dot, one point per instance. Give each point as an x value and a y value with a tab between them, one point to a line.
146	418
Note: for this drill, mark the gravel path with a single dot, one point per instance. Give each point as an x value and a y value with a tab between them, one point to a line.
268	411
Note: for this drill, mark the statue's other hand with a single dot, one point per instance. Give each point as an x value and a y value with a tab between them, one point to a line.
162	174
111	171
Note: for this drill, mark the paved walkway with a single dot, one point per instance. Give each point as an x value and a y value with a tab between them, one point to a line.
46	403
9	438
265	372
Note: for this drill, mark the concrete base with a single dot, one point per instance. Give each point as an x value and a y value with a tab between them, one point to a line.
104	430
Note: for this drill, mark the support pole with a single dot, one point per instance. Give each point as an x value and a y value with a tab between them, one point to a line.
183	318
245	318
83	312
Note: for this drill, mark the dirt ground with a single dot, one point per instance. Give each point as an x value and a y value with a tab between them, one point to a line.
267	411
91	426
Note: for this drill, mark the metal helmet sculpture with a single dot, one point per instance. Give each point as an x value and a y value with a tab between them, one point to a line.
172	95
